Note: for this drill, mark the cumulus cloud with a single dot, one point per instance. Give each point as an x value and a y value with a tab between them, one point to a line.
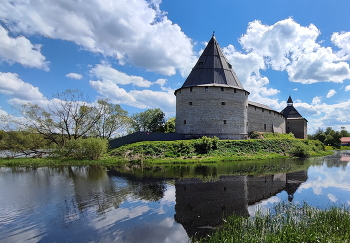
324	115
13	86
331	93
111	80
288	46
138	98
134	32
74	76
111	75
347	88
21	50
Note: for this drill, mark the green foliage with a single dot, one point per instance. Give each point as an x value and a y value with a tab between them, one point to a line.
70	115
205	144
287	223
270	135
23	143
213	147
169	126
113	119
151	120
89	148
328	137
300	150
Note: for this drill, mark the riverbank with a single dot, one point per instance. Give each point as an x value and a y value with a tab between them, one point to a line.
286	223
204	150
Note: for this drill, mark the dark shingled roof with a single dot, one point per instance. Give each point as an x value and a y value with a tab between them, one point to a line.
213	68
291	112
289	100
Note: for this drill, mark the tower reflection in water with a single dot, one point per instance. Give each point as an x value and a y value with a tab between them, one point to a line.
202	206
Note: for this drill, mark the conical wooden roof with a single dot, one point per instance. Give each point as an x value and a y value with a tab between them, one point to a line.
212	68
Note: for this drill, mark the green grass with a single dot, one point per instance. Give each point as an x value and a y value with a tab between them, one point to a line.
337	148
40	162
207	150
287	223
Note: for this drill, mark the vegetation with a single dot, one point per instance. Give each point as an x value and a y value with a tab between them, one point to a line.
169	126
287	223
329	136
151	120
213	149
89	148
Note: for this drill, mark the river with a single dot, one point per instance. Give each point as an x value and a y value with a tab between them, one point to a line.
157	204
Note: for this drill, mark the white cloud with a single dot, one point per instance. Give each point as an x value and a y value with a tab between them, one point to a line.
296	89
287	46
111	75
138	98
342	40
13	86
331	93
21	50
324	115
347	88
332	197
134	32
74	76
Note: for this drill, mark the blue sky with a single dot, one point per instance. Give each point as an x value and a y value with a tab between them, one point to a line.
137	52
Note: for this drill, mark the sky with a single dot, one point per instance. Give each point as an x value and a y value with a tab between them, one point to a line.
136	53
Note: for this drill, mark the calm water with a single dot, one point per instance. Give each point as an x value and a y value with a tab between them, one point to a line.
161	204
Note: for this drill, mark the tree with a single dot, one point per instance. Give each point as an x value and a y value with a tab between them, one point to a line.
328	137
112	120
150	120
23	143
169	126
68	116
344	133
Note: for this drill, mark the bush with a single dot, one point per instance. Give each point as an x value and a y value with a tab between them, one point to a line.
300	150
205	144
89	148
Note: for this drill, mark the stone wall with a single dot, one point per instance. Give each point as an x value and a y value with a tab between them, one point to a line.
298	126
212	111
261	119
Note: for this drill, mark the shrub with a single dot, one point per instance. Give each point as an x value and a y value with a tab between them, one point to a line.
300	150
205	144
89	148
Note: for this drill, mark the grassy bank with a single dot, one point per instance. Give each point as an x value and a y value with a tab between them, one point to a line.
213	150
287	223
204	150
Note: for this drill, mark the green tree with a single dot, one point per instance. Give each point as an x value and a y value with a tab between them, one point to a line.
69	116
113	120
344	133
169	126
150	120
23	143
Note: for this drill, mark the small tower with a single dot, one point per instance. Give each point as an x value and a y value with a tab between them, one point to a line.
212	101
295	124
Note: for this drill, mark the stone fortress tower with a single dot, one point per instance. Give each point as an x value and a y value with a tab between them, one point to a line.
295	122
213	102
211	94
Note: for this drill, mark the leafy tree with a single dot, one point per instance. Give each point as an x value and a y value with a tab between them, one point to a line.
327	137
344	133
150	120
69	116
114	119
169	126
23	143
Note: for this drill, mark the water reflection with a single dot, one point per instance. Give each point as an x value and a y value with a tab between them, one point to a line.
202	206
158	204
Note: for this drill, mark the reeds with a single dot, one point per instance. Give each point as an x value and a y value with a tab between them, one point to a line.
287	223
